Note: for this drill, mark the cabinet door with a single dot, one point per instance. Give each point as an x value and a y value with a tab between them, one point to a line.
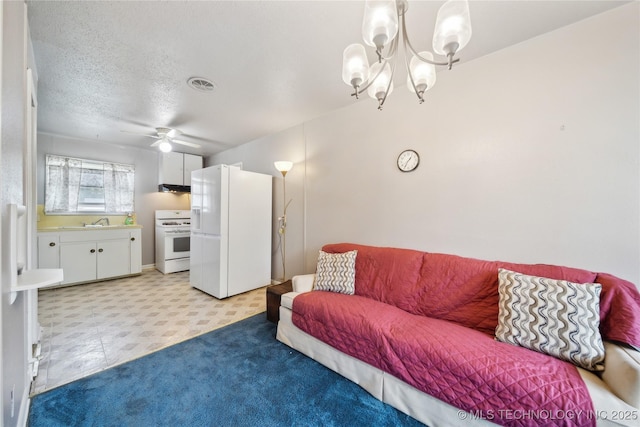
78	261
48	251
136	251
114	258
172	168
191	163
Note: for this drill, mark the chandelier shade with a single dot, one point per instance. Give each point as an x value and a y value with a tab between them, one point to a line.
381	84
380	23
355	69
383	27
453	28
423	73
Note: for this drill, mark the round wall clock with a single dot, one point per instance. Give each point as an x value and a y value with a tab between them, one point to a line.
408	160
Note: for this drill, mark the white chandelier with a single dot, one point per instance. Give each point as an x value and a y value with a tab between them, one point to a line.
380	30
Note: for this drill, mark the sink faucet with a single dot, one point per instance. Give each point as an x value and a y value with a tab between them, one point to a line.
104	218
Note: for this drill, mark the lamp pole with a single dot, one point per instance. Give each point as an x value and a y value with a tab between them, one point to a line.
284	225
283	167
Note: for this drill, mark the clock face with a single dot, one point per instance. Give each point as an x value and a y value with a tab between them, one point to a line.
408	160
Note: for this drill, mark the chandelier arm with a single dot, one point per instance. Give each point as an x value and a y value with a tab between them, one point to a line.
413	83
393	70
392	52
406	60
361	91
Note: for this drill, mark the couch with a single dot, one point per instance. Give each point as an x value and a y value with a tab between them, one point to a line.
418	331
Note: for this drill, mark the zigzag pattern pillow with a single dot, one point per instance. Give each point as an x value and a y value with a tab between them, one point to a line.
555	317
336	272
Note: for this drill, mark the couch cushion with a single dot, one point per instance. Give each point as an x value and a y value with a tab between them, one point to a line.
622	373
554	317
465	368
388	275
619	310
465	290
336	272
448	287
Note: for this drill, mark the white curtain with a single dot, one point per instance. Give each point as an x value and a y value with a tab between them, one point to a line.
62	182
63	179
118	187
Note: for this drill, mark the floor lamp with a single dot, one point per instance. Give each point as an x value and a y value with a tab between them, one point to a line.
283	167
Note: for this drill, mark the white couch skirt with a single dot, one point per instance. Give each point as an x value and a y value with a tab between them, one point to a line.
611	411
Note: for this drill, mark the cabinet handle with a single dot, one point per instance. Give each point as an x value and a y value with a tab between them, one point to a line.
93	251
52	244
133	239
100	250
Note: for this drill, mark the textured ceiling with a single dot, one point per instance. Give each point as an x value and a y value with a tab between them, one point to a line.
111	68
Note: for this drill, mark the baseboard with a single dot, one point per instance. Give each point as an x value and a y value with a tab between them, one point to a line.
149	267
275	281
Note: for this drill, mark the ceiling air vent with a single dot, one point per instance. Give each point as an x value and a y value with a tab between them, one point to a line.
201	84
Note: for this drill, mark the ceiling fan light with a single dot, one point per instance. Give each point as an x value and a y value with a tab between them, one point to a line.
423	73
378	88
165	146
380	22
453	27
355	66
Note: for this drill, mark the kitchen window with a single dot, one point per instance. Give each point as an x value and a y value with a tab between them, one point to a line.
80	186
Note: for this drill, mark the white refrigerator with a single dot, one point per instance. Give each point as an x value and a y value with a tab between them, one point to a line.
230	230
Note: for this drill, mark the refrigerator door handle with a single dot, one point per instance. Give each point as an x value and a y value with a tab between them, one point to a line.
195	218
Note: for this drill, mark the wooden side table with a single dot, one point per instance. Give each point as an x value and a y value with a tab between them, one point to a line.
274	293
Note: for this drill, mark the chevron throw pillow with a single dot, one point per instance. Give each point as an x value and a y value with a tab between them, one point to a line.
336	272
555	317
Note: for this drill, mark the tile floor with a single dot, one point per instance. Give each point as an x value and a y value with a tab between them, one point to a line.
88	328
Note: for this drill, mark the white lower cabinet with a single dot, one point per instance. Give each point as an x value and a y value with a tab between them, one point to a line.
78	261
136	251
48	250
114	258
87	256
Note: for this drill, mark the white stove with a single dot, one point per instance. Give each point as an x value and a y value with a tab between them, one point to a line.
173	240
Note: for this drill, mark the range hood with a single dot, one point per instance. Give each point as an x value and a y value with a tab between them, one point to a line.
174	188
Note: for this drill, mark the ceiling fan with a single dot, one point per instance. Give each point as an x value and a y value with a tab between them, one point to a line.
167	136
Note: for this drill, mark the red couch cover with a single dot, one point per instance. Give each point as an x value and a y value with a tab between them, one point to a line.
429	320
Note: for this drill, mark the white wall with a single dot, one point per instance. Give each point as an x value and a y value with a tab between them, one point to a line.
530	154
2	269
258	156
147	198
13	320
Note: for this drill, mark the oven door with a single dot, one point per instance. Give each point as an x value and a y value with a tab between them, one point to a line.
176	244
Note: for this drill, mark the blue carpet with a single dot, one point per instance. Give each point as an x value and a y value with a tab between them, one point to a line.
239	375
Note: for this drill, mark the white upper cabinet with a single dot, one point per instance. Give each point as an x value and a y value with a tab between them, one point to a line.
191	163
172	168
175	168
